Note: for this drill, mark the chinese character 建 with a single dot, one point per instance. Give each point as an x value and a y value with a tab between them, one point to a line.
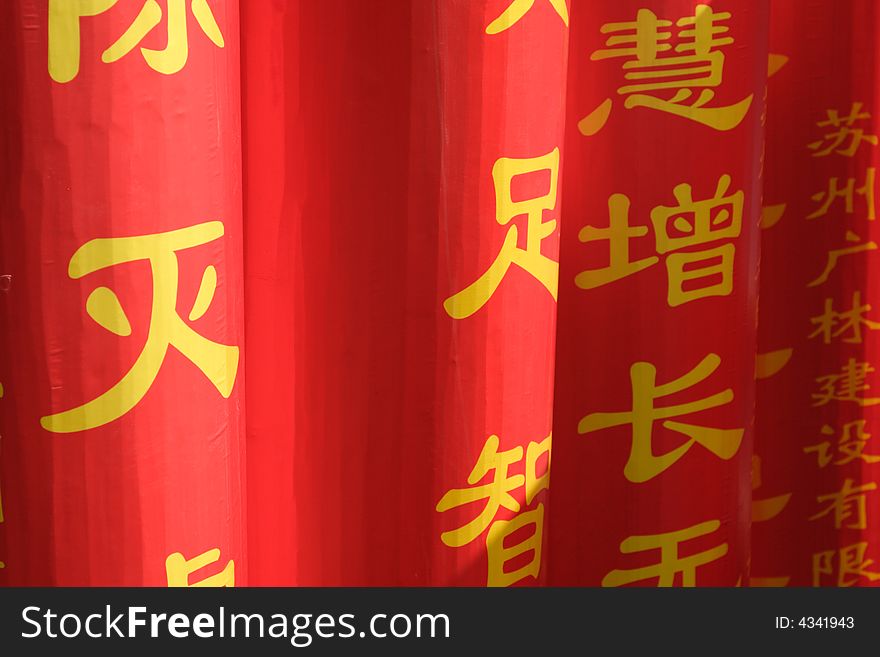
643	464
660	80
687	224
218	362
671	562
845	386
497	493
64	34
530	259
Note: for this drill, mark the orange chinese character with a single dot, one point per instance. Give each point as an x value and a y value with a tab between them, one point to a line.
852	565
846	385
849	501
844	130
519	8
643	464
698	64
835	191
543	269
762	511
671	563
178	569
64	34
852	447
218	362
835	255
833	324
688	223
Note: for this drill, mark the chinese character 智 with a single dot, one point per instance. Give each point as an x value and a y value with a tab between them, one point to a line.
64	34
545	270
218	362
698	64
643	464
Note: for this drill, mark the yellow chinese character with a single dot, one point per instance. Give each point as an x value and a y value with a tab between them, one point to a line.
497	493
846	385
545	270
845	129
687	224
64	34
519	8
500	555
852	565
836	254
698	64
852	447
849	501
832	324
178	569
643	464
846	193
671	563
218	362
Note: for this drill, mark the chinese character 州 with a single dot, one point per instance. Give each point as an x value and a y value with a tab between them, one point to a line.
64	34
497	493
826	198
218	362
519	8
530	259
671	562
178	569
687	224
643	464
666	82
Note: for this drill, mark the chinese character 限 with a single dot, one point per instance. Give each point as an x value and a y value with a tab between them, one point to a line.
671	562
687	224
844	129
497	493
519	8
851	565
64	34
643	464
218	362
178	569
667	82
545	270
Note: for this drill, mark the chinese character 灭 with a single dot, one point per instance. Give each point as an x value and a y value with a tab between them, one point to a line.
218	362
